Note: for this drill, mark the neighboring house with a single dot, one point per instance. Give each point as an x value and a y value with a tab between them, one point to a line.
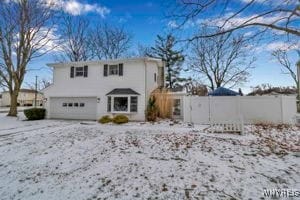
221	91
26	97
274	91
0	100
92	89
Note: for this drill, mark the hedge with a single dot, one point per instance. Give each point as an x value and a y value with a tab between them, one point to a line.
120	119
35	113
105	119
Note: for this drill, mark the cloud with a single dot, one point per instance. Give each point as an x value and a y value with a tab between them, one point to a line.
47	40
282	46
244	20
75	7
125	18
172	24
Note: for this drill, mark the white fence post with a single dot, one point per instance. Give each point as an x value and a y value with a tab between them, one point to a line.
281	109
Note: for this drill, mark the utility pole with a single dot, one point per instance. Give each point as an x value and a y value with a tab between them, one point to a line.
298	86
35	94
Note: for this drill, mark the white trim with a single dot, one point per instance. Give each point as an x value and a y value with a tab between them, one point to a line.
113	61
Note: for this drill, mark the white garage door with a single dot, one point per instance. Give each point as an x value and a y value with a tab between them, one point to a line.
73	108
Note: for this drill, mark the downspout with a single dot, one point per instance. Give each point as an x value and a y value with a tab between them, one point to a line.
298	86
146	93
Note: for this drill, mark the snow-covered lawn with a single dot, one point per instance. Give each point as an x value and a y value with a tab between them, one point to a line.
52	159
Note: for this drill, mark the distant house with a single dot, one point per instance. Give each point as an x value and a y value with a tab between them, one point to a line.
274	91
221	91
26	97
91	89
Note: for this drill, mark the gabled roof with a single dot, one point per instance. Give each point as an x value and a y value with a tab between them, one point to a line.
26	91
122	91
223	92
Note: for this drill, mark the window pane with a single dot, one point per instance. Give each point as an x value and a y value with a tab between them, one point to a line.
113	69
79	71
108	104
75	104
70	104
81	104
64	104
121	104
133	104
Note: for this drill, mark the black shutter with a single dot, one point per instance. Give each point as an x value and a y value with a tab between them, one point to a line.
108	104
121	69
105	70
72	72
85	71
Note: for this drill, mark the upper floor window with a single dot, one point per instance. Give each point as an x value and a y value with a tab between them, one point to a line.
79	71
113	70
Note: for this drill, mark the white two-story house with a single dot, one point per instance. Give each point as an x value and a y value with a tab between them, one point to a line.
92	89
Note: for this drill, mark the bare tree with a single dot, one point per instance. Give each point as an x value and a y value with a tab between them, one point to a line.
75	39
25	30
288	68
143	51
221	61
193	87
110	42
280	16
41	84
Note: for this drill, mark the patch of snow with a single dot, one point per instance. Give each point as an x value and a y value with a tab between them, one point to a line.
55	159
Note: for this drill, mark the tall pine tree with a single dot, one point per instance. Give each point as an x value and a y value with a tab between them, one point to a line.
165	49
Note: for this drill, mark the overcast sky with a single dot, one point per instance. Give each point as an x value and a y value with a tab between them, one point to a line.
144	20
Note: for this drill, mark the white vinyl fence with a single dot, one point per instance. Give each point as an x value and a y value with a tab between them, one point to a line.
252	109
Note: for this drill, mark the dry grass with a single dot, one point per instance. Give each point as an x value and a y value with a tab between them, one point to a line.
164	102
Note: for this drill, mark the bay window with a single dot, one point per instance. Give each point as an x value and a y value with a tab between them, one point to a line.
122	104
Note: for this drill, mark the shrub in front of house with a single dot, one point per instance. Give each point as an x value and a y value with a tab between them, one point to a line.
105	119
152	110
35	113
120	119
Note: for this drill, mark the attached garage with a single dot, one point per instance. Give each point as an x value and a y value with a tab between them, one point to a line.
73	108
